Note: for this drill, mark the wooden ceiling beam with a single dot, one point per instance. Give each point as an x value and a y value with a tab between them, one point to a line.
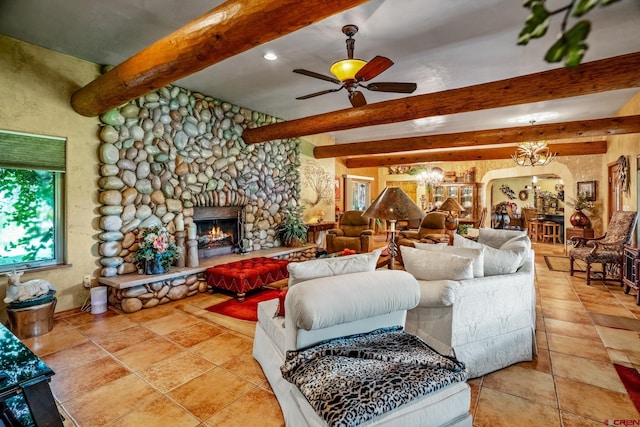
231	28
548	132
565	149
620	72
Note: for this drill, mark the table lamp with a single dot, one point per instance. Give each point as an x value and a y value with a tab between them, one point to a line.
392	205
451	205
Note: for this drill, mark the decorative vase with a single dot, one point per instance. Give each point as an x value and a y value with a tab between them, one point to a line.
579	219
154	266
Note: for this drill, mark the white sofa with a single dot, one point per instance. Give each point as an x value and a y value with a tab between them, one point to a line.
337	306
486	322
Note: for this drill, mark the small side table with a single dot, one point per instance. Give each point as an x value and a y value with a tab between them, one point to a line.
317	227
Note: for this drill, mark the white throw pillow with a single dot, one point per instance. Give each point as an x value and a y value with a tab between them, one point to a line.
476	254
496	261
497	237
324	267
425	265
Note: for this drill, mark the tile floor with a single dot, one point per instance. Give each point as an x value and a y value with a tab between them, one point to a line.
179	365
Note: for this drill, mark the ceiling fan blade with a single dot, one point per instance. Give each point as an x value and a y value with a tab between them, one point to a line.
392	87
372	68
316	75
322	92
357	99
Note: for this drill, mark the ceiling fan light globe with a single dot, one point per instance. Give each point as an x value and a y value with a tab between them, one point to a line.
346	69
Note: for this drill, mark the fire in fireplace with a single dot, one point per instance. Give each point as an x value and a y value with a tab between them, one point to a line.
218	229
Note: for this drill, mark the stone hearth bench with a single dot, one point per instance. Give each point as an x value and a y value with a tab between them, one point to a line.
246	275
134	292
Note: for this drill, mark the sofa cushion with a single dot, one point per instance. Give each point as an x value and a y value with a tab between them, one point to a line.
477	255
496	261
497	237
427	265
324	267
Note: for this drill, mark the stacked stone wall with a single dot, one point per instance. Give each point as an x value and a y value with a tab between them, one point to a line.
171	150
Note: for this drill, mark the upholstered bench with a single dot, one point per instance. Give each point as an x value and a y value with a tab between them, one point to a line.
243	276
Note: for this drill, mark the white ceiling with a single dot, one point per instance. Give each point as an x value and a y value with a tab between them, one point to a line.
437	44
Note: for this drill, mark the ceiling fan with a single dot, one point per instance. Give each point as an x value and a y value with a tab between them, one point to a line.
350	73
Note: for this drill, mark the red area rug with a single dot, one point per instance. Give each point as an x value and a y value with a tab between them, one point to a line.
631	380
246	310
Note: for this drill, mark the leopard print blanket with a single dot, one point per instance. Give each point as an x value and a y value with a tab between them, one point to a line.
351	380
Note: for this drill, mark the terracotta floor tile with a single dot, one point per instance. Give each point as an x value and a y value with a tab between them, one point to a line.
172	322
101	405
573	420
616	322
523	382
105	326
587	348
475	385
124	338
175	370
541	339
71	382
241	326
564	293
594	372
245	366
142	355
210	392
85	317
54	342
613	309
158	312
561	327
619	338
542	362
222	348
74	356
158	412
596	403
255	408
561	303
498	409
566	315
194	334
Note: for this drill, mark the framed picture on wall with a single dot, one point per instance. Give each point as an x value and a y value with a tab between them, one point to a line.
588	188
337	188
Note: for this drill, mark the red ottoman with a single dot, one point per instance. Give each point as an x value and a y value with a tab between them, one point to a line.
243	276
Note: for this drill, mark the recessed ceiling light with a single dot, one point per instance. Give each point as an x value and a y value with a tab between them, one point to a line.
270	56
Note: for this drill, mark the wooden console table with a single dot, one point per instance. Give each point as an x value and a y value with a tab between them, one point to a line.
314	228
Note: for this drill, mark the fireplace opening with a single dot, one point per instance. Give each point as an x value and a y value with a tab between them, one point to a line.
218	230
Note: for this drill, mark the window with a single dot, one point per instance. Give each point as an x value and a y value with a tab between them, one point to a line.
31	200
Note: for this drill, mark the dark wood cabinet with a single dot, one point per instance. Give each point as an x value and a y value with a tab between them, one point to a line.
631	270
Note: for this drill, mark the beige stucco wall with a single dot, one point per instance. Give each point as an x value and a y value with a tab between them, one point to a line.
35	88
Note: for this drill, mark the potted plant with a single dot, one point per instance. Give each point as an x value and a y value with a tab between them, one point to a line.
580	203
292	231
157	250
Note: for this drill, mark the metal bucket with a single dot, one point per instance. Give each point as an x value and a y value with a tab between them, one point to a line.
32	321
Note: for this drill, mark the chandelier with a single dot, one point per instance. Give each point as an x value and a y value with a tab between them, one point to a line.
533	153
430	177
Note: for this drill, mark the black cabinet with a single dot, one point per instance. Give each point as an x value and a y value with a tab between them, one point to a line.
631	270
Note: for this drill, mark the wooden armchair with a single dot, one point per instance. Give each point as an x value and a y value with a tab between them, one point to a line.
355	232
606	249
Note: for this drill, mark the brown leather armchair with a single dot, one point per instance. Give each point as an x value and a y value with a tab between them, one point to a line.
432	230
355	232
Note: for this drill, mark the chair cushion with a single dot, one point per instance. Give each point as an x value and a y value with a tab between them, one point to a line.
427	265
324	267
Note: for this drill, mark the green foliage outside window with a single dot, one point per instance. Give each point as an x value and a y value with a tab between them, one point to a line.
27	209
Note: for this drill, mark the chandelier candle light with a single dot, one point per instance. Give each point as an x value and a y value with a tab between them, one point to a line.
533	153
393	205
430	177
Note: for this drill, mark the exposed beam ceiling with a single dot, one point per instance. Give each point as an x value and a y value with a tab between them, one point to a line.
566	149
619	72
584	128
231	28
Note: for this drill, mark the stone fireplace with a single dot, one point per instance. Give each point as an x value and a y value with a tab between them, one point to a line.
219	230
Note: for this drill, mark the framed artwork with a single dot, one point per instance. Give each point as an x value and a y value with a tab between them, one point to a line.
337	188
588	188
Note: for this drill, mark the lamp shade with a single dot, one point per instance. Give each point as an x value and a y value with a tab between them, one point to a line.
347	68
451	205
393	204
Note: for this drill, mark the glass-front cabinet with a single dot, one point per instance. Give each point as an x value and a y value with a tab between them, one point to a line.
464	193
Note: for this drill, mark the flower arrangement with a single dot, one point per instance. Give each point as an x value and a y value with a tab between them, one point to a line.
581	202
156	244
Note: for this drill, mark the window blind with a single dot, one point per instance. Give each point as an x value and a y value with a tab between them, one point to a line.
27	151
